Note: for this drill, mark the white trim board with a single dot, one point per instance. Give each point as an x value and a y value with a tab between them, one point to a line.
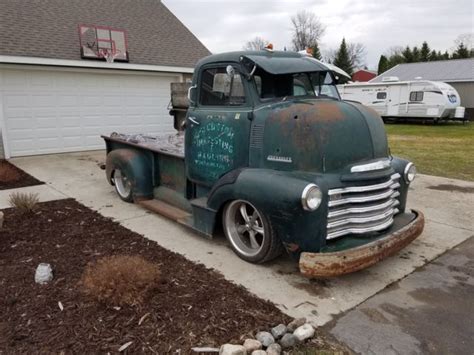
6	59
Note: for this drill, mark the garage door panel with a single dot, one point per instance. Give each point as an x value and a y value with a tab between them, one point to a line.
21	134
22	145
46	122
71	132
72	142
43	100
19	100
51	111
68	100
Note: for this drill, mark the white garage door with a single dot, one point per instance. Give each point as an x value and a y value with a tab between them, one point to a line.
47	111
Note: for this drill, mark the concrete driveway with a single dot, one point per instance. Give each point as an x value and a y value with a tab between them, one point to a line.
447	204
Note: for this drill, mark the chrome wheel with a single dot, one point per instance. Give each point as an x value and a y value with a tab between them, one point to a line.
123	185
245	229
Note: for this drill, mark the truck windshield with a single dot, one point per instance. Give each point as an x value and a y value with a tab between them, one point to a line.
315	84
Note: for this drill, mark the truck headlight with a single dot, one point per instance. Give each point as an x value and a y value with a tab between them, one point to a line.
410	172
311	197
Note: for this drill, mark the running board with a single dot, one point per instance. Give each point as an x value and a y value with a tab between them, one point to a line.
167	210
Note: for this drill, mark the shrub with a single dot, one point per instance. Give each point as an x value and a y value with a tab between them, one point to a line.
120	280
25	202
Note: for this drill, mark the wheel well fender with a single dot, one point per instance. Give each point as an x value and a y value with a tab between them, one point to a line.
137	166
274	192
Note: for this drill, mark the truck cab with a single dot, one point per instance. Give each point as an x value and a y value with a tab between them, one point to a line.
273	157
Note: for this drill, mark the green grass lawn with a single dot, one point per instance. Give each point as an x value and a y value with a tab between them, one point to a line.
446	149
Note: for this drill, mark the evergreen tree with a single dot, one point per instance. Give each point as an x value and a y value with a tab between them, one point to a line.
407	55
342	58
433	56
461	52
446	55
317	52
425	52
383	65
416	54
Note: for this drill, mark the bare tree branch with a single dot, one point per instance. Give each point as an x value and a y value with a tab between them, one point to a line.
356	51
256	44
307	30
357	54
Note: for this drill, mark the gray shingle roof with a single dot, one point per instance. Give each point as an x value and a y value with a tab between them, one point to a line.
49	29
443	70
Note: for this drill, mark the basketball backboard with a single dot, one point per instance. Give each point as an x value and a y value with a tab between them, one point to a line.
100	42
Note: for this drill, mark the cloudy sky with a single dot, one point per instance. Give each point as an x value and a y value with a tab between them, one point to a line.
224	25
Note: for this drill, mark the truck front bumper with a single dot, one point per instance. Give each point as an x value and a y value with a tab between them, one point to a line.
358	258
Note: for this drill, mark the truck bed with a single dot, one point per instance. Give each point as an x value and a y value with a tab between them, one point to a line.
168	144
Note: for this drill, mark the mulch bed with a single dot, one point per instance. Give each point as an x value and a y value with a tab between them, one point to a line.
194	306
12	177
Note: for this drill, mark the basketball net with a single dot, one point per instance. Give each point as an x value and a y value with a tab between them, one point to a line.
109	54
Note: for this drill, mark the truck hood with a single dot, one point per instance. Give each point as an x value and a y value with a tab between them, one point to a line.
319	135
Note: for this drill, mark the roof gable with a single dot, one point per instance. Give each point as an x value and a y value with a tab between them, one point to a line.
49	29
442	70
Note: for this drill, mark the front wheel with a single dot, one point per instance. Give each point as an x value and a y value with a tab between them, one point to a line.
123	185
249	232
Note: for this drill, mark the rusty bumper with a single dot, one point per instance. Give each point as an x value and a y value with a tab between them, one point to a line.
358	258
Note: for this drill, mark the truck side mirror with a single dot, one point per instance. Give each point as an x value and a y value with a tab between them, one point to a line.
230	70
192	94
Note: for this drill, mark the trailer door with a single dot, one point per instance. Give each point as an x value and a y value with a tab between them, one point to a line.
393	100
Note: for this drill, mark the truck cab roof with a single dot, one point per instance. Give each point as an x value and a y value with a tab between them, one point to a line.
273	62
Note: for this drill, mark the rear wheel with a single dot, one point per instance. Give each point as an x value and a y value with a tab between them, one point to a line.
123	185
249	232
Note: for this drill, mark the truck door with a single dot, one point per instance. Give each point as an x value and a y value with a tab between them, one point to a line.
218	125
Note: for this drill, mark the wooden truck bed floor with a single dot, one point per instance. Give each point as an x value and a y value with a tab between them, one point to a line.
168	144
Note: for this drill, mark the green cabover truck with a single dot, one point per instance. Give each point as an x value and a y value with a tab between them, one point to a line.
271	156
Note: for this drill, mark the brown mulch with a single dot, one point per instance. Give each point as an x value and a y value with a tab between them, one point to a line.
12	177
194	306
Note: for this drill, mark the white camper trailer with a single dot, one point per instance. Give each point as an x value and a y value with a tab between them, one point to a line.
408	99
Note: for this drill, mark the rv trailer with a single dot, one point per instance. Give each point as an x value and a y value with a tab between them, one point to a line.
392	98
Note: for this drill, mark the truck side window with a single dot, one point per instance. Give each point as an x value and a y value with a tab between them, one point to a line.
220	89
416	96
381	95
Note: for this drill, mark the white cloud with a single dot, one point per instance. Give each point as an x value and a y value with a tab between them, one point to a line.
224	25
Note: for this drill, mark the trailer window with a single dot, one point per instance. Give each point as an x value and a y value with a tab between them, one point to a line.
381	95
416	96
220	89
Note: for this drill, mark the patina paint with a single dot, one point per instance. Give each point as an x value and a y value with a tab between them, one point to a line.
319	135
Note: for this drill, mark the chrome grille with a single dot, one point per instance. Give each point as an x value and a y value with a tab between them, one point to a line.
362	209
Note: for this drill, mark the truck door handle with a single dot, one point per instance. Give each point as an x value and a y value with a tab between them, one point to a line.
193	120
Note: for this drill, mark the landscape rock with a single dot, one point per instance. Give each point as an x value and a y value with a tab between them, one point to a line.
274	349
259	352
278	331
43	274
265	338
1	219
230	349
295	323
304	332
288	341
252	345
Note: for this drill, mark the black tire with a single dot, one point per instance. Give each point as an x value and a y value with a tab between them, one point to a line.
238	231
121	180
